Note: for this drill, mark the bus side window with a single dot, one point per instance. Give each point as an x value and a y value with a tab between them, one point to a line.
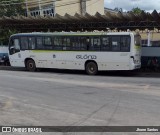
76	43
66	43
115	43
24	43
83	43
125	43
58	43
32	43
48	43
40	43
95	43
105	44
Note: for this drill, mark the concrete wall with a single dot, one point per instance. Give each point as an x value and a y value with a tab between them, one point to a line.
67	6
153	36
34	3
94	6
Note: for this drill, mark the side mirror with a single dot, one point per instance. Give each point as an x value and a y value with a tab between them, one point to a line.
12	47
11	50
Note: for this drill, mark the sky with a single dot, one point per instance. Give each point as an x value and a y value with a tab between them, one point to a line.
127	5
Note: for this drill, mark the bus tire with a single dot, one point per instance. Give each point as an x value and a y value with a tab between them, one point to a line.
91	68
30	65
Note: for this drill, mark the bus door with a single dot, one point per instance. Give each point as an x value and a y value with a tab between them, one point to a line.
14	52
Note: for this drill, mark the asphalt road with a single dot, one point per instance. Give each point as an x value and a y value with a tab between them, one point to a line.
57	98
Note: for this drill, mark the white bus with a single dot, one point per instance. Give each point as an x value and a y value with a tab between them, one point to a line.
91	52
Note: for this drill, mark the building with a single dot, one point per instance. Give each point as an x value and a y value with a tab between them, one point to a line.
152	37
61	7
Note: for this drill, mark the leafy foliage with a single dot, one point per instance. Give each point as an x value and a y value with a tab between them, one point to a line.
137	10
10	8
5	34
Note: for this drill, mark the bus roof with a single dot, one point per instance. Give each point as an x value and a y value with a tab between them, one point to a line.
72	33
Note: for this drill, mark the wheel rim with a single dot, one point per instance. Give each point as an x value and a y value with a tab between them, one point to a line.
30	65
91	68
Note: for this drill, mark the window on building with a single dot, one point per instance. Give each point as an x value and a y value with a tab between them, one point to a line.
34	13
48	11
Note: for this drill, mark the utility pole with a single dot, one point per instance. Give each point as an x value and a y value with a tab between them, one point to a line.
27	11
54	8
40	7
83	7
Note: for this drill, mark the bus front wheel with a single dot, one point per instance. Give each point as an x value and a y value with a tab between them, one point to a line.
91	68
31	66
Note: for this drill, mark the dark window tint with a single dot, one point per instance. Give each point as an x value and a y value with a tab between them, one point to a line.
47	41
40	43
24	43
32	43
115	42
125	43
105	44
66	43
79	43
76	43
83	42
58	43
95	43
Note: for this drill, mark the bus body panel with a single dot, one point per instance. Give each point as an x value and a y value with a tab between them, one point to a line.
60	59
73	60
135	63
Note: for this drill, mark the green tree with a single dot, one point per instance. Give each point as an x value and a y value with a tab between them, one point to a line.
137	10
10	8
5	34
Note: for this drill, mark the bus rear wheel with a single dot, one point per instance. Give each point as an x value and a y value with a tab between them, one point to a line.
91	68
30	65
